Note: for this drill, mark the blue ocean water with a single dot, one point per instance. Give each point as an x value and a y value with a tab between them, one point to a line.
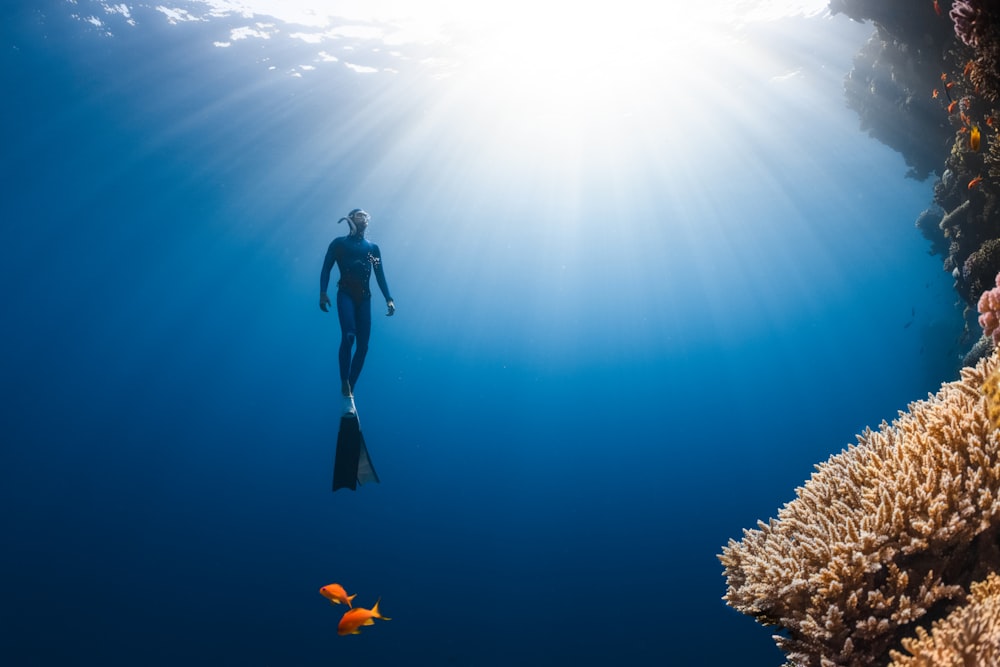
590	385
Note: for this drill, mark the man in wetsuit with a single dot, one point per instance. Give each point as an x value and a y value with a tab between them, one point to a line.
355	256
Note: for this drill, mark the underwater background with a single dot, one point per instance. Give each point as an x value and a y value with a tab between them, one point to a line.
617	343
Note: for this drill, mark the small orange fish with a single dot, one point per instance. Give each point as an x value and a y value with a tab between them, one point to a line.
937	7
989	121
963	130
949	85
336	594
951	107
353	619
944	76
976	181
935	93
974	138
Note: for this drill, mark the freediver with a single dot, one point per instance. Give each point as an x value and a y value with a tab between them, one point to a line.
355	256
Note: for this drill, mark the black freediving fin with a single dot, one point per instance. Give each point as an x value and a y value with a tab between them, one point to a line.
366	471
351	464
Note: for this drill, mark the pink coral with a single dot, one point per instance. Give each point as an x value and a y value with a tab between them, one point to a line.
989	312
971	21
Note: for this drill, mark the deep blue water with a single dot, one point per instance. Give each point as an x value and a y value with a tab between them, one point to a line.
568	425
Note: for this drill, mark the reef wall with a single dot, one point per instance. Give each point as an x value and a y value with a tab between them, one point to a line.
927	84
890	551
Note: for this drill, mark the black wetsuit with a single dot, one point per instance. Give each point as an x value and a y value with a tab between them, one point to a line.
355	256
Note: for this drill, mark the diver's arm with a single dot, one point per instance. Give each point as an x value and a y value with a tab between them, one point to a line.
324	276
380	279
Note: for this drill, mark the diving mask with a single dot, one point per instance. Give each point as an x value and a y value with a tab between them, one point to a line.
360	217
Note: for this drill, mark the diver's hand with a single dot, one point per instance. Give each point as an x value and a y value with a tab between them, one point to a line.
324	302
392	307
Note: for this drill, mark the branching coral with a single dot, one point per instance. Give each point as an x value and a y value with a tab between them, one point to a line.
887	533
968	637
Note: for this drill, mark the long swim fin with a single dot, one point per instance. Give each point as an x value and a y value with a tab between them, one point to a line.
351	464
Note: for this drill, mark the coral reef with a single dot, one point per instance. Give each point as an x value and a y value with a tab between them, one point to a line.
974	73
889	552
968	637
989	312
972	23
887	87
979	269
893	74
927	84
888	534
982	349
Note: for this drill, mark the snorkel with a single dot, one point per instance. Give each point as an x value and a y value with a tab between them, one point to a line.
354	218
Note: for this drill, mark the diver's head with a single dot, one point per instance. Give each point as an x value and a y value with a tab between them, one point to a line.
358	220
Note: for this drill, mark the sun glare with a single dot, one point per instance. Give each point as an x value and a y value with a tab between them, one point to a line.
548	67
553	98
548	94
548	63
573	70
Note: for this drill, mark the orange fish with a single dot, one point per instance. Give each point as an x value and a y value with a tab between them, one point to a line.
989	121
937	7
944	76
951	107
935	93
353	619
336	594
976	181
974	138
949	85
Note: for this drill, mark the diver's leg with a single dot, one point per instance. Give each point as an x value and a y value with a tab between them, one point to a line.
348	332
363	329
